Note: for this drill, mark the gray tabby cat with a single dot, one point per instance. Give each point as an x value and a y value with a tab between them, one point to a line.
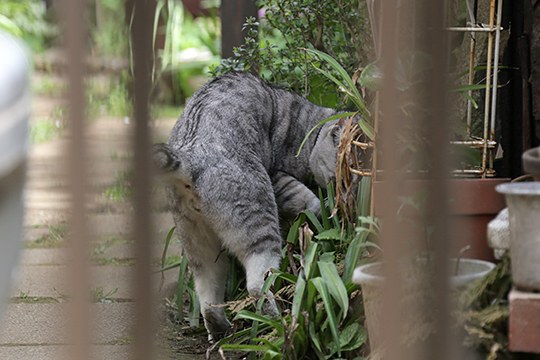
230	165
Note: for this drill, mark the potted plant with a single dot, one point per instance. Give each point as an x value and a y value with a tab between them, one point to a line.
371	280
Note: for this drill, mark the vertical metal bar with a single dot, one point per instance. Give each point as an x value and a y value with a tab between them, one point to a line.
488	86
79	317
390	125
472	48
141	39
442	346
495	78
471	79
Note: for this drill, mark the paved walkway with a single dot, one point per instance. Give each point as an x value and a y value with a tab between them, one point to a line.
33	323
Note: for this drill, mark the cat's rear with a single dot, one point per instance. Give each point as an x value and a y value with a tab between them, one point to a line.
233	147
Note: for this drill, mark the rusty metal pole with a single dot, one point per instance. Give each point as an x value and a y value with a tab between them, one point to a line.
437	46
79	268
389	127
141	39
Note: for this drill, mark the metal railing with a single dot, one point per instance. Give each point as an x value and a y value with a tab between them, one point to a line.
430	13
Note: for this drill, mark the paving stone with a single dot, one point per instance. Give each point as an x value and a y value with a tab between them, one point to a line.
34	324
115	281
34	233
55	352
43	217
54	256
118	224
41	281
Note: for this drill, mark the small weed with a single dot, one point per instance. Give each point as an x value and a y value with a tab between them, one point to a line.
114	261
118	101
44	130
115	156
24	298
111	240
121	189
48	86
99	250
54	238
126	340
100	296
170	260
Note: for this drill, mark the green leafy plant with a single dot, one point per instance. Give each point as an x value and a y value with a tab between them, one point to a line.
314	286
273	45
186	48
27	19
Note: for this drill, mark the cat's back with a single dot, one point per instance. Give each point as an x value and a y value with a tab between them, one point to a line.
226	98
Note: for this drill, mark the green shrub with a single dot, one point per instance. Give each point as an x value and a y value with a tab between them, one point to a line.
274	45
27	19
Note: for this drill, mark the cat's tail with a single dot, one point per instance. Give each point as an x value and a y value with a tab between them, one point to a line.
169	164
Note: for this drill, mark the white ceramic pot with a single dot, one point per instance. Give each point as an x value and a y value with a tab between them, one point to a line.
14	115
370	278
523	201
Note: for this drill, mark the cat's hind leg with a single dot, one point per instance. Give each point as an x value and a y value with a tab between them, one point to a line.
209	265
244	213
210	280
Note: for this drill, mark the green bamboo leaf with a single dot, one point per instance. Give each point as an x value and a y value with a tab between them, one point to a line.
324	212
244	347
471	99
292	236
330	234
311	296
270	345
352	337
181	286
353	255
166	246
313	219
331	203
330	315
298	297
313	337
248	315
364	196
309	258
337	67
8	25
292	279
335	285
369	220
346	84
367	129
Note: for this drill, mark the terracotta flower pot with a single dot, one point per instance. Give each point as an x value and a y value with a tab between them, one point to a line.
531	162
473	204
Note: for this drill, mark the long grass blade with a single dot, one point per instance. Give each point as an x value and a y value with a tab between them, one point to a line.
323	292
335	285
298	298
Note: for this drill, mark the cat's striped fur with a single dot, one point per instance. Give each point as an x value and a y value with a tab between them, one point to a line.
231	165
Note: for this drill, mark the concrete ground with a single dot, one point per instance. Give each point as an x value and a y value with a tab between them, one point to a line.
33	323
